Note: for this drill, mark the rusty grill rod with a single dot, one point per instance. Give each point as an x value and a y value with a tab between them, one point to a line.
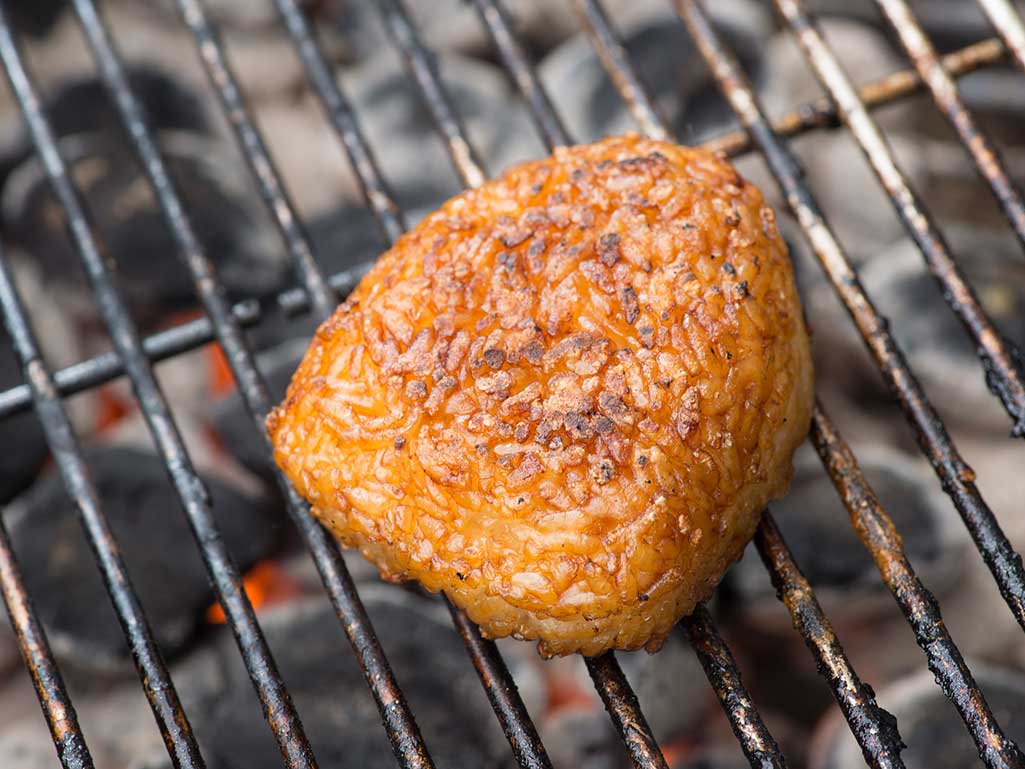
35	649
945	94
624	710
340	113
874	728
917	603
403	733
721	669
1000	358
956	478
878	533
1008	24
819	114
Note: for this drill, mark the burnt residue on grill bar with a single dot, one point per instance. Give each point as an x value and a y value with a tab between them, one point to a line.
955	475
35	650
720	667
993	746
340	113
1000	358
874	728
621	703
880	536
616	61
944	92
424	71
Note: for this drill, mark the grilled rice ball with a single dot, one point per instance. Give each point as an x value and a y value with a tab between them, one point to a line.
563	398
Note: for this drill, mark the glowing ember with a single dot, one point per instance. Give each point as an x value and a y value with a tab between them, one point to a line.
266	584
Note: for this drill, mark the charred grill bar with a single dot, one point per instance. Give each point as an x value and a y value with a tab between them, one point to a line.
874	728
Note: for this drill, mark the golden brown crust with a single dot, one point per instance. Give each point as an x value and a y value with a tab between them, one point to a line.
564	397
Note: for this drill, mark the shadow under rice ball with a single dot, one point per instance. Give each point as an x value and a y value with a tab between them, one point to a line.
564	398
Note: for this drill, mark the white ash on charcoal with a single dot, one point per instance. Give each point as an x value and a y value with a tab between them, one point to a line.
330	692
954	191
156	543
929	724
413	158
115	716
667	61
817	529
583	737
939	349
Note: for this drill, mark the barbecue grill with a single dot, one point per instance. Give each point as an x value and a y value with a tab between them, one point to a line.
223	323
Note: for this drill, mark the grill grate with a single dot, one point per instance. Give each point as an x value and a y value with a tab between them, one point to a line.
874	729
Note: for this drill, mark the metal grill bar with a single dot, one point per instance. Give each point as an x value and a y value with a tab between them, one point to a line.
621	703
822	113
167	710
994	748
502	693
403	732
1000	359
266	175
955	476
758	745
46	678
191	492
169	343
1008	24
880	536
340	113
496	21
944	92
35	649
873	727
617	63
